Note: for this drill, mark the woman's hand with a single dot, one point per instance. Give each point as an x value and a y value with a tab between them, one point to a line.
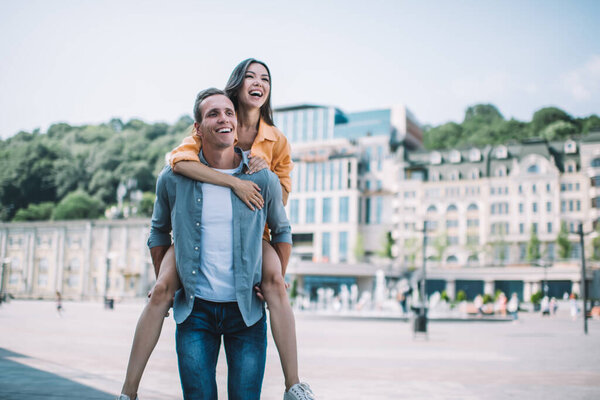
255	164
248	192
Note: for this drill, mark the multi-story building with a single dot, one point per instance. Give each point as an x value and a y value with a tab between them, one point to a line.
343	186
80	259
485	207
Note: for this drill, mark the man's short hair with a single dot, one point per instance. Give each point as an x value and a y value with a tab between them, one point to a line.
200	97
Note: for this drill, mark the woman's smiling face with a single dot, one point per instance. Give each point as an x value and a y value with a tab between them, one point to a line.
256	87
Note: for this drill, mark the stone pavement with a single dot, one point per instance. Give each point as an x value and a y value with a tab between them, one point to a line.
83	355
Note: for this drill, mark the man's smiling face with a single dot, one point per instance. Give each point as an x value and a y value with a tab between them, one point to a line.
219	123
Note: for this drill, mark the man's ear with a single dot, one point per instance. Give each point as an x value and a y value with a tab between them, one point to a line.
197	131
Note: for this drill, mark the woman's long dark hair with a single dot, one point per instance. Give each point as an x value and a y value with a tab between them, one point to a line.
235	82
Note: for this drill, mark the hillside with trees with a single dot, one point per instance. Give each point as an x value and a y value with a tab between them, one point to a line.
72	172
484	124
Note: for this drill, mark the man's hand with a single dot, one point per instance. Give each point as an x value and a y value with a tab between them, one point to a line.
256	164
248	192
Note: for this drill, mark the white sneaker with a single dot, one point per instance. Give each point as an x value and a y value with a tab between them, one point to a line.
125	397
300	391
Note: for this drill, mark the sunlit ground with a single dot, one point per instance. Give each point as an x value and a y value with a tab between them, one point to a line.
83	355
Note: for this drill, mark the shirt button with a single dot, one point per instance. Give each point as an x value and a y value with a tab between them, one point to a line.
196	248
191	297
198	199
197	223
194	272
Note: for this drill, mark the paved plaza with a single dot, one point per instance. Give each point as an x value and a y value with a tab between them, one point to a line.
83	355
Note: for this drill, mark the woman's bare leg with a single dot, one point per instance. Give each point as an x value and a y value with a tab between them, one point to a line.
283	325
150	323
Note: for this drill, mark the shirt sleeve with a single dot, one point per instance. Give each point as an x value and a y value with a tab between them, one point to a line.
281	231
281	162
160	226
187	151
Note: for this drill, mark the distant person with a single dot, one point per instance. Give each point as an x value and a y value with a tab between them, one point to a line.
545	306
218	249
513	306
553	306
573	306
59	305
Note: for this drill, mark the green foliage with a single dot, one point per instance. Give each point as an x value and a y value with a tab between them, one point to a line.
146	204
545	116
536	298
78	205
558	130
533	247
562	240
461	295
497	294
388	242
596	245
487	299
359	247
294	289
444	296
35	212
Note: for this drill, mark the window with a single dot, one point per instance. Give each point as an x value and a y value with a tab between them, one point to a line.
520	189
472	223
521	228
452	259
451	208
431	209
596	162
472	207
325	248
343	246
534	207
548	206
534	227
534	188
522	251
472	239
368	210
563	206
550	251
344	201
549	227
520	208
310	211
452	223
327	209
548	188
452	240
294	209
533	169
379	210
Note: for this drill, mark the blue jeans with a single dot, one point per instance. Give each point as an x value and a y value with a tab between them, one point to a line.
198	341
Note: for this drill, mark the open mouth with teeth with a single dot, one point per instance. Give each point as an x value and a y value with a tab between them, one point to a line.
224	130
256	93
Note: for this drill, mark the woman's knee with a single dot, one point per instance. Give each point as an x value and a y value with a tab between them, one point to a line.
273	283
162	293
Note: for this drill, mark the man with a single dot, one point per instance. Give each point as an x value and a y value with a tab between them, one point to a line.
218	251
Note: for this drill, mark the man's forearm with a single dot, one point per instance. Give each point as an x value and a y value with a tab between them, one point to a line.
158	253
283	250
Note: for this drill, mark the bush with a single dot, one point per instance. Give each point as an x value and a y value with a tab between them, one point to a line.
487	299
78	205
461	295
536	298
444	296
35	212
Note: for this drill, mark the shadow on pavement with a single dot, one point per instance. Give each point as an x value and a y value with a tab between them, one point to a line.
18	381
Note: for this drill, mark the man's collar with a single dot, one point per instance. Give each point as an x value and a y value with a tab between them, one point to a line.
236	149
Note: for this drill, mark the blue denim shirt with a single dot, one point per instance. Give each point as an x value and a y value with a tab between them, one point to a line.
178	208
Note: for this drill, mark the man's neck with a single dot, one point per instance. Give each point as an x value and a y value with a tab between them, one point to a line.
221	158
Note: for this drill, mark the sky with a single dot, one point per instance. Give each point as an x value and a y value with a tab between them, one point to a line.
89	61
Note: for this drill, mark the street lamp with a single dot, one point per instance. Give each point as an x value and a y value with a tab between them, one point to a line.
421	319
4	276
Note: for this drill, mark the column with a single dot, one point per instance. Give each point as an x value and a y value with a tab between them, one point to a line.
488	288
576	287
451	288
527	291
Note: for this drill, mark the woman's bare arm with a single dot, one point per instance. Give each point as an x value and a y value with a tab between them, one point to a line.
247	191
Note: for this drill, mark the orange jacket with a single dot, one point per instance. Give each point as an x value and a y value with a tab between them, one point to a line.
270	144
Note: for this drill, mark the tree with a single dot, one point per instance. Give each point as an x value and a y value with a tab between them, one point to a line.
484	113
564	246
78	205
559	130
388	242
35	212
533	247
147	204
359	247
545	116
443	136
596	245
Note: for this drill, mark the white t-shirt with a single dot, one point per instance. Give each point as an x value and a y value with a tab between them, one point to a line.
216	279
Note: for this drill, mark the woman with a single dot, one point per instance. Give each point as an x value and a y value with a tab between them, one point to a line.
249	88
